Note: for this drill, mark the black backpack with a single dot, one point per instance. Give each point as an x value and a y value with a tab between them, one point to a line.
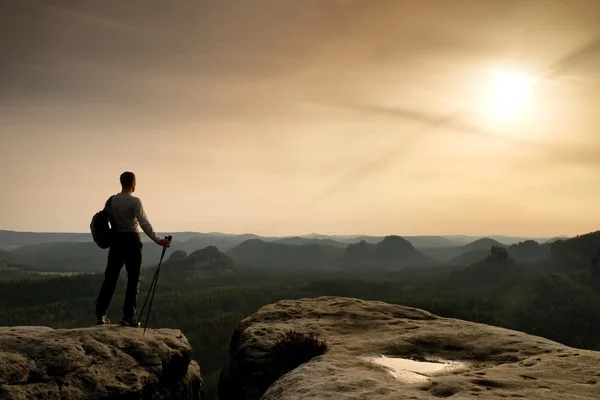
100	227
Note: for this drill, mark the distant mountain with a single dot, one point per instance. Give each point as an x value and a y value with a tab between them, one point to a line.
581	247
77	256
258	252
470	257
419	241
18	239
359	254
87	257
554	239
13	238
492	274
527	251
510	240
416	241
224	242
61	256
209	256
62	252
482	244
523	252
395	251
205	263
392	252
447	254
356	239
530	251
431	241
299	241
338	238
506	240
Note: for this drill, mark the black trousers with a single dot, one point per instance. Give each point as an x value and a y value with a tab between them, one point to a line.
126	249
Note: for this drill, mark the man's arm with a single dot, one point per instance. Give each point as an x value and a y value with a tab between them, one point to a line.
140	214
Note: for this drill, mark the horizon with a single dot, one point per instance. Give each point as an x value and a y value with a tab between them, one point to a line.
280	117
489	235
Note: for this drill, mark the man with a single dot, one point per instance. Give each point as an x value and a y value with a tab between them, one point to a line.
126	213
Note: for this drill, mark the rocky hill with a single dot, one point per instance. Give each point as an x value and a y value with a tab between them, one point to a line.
202	258
207	263
376	350
526	252
97	362
391	253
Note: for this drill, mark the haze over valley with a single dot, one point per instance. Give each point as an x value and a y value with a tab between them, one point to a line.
76	252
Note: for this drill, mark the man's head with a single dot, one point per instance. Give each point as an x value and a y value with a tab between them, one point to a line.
128	181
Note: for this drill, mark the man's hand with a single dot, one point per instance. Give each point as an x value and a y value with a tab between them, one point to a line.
164	243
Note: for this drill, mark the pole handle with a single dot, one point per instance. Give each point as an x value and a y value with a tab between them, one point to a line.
164	249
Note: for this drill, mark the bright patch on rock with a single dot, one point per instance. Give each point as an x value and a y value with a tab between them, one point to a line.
411	371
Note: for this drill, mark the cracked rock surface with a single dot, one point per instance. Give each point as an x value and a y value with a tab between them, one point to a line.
96	362
501	363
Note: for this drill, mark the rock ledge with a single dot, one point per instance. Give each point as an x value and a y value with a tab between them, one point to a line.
96	362
501	363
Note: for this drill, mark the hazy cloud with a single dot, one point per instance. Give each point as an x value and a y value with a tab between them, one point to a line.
243	111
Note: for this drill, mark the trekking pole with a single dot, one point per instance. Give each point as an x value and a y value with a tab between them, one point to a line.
153	286
154	279
149	290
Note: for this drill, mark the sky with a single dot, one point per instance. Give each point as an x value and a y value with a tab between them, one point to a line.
284	117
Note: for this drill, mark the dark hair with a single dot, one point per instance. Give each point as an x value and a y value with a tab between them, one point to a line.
127	179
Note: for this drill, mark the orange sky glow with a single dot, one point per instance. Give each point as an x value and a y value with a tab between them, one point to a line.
282	117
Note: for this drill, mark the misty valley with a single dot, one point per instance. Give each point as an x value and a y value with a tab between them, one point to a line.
210	282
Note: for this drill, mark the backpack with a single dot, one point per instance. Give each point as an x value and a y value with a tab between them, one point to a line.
100	227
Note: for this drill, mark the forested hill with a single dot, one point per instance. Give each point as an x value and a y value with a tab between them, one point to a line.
75	252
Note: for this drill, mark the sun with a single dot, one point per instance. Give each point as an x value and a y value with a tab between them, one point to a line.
509	95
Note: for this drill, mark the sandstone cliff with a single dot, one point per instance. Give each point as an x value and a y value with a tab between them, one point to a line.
469	360
96	362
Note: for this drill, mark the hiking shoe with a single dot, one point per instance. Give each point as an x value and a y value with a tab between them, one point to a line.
102	320
132	322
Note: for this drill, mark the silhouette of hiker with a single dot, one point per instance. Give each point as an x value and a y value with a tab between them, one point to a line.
126	213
